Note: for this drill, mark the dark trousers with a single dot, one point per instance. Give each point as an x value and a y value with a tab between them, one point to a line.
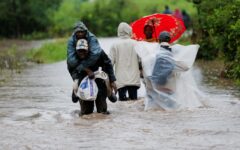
132	92
87	107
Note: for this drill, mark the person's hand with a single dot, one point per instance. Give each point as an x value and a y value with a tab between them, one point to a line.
90	73
141	74
75	86
114	87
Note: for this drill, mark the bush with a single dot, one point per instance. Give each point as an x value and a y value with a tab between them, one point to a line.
49	52
220	32
20	17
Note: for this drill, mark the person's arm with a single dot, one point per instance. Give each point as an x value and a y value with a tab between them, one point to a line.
112	55
109	71
72	60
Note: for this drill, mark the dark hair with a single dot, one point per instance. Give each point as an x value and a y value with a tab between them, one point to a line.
164	37
146	26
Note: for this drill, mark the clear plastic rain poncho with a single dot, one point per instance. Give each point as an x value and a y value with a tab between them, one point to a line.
165	76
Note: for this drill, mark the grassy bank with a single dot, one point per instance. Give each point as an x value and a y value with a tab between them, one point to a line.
11	59
49	52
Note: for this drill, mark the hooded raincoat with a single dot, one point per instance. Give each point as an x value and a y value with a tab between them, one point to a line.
74	64
124	58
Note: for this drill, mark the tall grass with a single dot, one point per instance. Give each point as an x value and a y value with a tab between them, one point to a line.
49	52
11	58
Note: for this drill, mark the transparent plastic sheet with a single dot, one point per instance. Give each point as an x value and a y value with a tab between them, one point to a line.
163	67
167	76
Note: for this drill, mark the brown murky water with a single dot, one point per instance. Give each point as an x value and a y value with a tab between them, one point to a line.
37	113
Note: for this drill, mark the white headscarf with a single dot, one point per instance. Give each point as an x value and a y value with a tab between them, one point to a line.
124	30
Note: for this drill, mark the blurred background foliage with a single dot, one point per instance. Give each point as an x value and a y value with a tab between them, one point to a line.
22	17
44	18
215	23
103	16
218	33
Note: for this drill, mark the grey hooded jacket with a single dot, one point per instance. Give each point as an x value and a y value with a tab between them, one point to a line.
74	64
124	58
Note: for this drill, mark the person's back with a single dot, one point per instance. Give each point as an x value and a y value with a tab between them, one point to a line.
125	59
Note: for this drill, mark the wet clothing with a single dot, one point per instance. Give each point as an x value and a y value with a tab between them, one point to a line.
103	61
132	93
124	58
74	64
169	83
87	107
164	65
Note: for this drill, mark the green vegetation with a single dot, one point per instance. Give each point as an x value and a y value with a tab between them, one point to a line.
103	16
218	33
11	59
21	17
37	19
49	52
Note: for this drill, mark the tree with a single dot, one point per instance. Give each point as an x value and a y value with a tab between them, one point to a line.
220	32
20	17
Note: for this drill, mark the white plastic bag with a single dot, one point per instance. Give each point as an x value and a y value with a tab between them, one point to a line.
87	90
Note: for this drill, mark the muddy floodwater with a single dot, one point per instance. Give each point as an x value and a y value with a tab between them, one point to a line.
36	113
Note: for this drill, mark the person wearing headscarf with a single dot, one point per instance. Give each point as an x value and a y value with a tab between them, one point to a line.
148	32
125	60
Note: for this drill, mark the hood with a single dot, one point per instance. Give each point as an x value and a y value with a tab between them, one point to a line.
80	26
124	30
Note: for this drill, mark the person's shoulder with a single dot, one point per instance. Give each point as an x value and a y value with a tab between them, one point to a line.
127	41
70	38
90	35
71	41
103	53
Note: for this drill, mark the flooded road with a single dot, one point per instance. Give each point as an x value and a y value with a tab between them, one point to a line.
37	113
